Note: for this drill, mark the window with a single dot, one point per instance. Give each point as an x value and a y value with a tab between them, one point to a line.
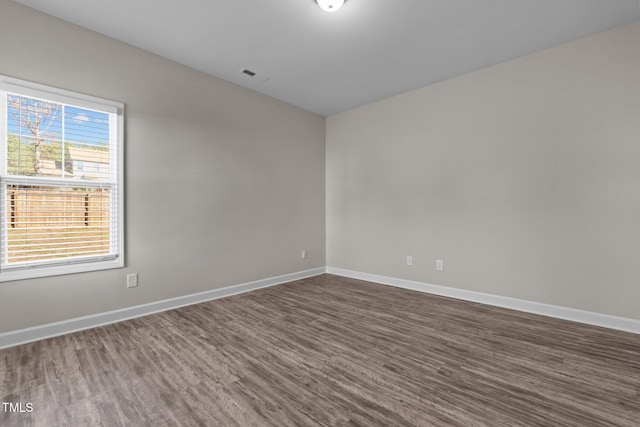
61	181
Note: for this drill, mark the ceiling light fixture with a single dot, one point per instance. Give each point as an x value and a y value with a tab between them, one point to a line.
330	5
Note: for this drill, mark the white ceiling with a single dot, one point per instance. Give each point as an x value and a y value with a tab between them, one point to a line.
331	62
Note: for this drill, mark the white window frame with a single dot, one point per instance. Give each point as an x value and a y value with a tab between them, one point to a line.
78	264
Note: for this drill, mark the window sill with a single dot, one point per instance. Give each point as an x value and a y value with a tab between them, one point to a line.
58	270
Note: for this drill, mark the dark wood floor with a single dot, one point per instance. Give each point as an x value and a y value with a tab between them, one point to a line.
329	351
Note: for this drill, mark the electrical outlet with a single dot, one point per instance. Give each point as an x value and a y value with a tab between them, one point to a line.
303	254
409	260
132	280
439	265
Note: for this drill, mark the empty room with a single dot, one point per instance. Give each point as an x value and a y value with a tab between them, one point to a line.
320	213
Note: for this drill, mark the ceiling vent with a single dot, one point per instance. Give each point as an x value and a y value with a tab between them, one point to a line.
252	74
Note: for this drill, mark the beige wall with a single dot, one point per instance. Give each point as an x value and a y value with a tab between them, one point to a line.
524	177
223	185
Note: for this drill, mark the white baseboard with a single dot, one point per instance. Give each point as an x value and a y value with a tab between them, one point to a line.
591	318
36	333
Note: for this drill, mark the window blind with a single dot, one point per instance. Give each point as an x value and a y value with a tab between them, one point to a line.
46	223
60	181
